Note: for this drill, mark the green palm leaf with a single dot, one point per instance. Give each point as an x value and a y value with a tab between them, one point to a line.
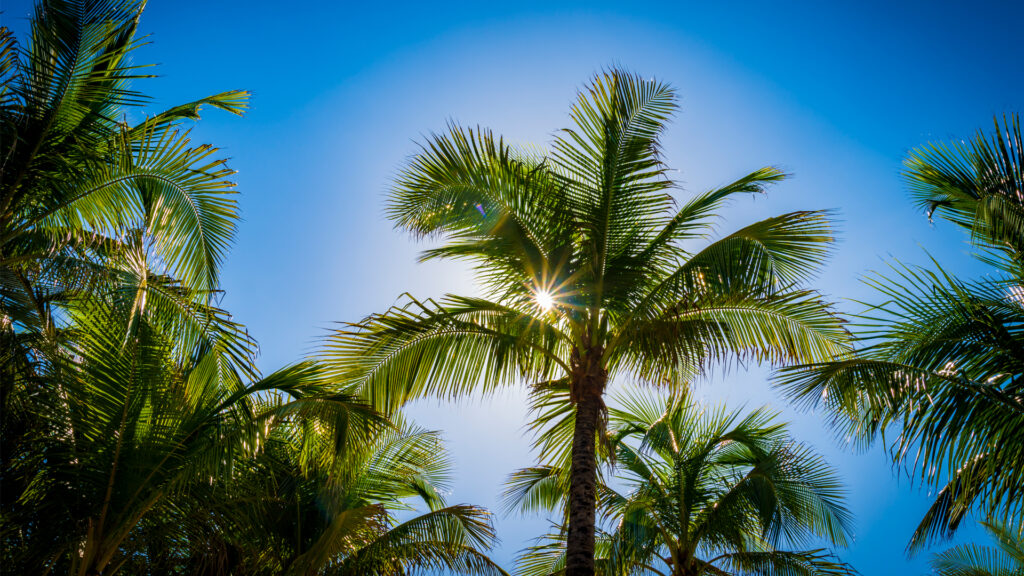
976	185
1006	559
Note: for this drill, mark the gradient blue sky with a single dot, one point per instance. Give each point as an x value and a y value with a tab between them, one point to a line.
834	93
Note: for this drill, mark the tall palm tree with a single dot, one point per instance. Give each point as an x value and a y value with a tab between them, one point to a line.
942	362
1006	559
588	270
79	185
703	492
296	511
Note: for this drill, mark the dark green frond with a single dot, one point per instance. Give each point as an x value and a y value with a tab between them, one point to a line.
977	185
1006	559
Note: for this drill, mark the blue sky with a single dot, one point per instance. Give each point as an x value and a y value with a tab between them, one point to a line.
833	93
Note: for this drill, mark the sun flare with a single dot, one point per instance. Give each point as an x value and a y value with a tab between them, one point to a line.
544	300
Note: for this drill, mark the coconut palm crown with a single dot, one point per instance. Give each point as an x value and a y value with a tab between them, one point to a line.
941	364
587	271
698	490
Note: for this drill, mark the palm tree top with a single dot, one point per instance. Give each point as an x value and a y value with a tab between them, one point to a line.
77	177
699	489
583	253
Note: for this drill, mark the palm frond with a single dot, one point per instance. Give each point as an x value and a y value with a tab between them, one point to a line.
1006	559
535	489
444	348
941	369
685	338
977	185
694	218
810	563
445	539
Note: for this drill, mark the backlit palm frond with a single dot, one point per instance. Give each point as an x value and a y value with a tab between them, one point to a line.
498	207
862	395
443	348
553	421
351	514
968	437
136	420
775	253
120	274
233	101
449	539
696	215
810	563
325	422
695	219
615	179
201	328
535	489
766	257
76	67
685	338
953	503
77	180
400	463
179	195
9	75
1009	539
932	318
546	557
958	433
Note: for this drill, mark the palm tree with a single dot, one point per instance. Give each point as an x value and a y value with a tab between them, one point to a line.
129	419
588	271
942	361
79	185
1007	559
297	511
111	234
703	492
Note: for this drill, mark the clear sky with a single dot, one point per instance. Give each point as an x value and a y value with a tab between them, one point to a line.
834	93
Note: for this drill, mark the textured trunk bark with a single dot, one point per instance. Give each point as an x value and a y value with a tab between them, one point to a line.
579	559
587	390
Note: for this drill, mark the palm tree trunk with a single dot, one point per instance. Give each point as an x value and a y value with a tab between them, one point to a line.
587	387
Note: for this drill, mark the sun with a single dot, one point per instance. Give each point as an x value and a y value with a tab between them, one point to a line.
544	300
